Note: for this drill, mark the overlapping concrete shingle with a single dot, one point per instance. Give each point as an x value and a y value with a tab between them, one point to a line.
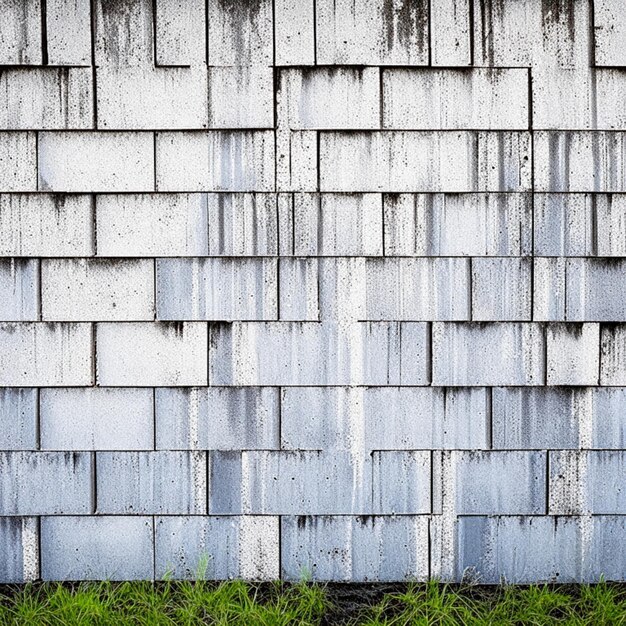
325	288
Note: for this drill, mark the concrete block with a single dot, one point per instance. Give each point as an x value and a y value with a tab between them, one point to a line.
96	419
215	161
34	225
549	288
298	289
19	547
18	419
450	33
46	483
19	290
490	482
297	160
128	47
373	33
584	161
217	548
127	96
602	556
89	161
613	354
594	290
18	161
97	548
240	33
217	289
530	33
501	289
600	95
542	418
564	98
608	428
342	292
417	289
151	354
294	32
516	354
97	289
609	33
331	418
284	211
251	88
152	483
563	224
473	99
286	482
587	482
404	161
217	418
338	224
559	418
46	355
519	549
68	32
180	32
355	549
160	225
20	33
611	230
309	353
243	224
383	418
467	224
329	98
404	418
401	482
47	98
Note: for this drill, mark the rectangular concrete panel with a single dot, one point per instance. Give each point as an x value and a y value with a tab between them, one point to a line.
404	161
309	353
215	161
97	289
104	418
50	225
19	290
216	289
18	419
286	482
167	353
46	483
96	548
374	33
355	549
151	482
75	162
217	418
135	225
466	224
516	350
217	548
59	98
47	354
19	546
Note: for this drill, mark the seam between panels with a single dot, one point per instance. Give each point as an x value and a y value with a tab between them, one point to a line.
94	78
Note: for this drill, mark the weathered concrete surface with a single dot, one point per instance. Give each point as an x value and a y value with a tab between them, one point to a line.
314	287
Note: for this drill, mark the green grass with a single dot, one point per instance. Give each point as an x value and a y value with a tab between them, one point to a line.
186	603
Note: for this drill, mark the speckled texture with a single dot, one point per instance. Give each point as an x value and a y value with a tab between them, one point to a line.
326	288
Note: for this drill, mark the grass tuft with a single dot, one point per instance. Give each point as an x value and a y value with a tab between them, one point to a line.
305	604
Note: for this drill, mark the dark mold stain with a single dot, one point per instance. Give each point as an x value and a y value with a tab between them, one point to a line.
405	20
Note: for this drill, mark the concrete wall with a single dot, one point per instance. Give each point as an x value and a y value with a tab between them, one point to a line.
325	288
